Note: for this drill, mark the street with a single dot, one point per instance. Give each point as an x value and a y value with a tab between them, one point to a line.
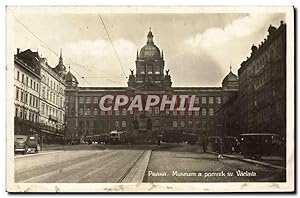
179	163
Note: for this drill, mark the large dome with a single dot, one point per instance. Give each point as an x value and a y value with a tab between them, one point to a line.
150	50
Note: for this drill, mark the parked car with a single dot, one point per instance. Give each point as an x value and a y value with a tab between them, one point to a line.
256	145
102	138
231	144
27	144
75	141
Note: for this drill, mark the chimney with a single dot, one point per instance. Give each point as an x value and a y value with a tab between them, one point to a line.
18	51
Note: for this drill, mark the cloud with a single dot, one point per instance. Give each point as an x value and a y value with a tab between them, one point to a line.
239	28
101	62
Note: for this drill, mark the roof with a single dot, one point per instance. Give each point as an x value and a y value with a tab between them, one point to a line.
70	77
231	77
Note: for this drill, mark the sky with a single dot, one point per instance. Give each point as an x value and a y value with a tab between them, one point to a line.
199	48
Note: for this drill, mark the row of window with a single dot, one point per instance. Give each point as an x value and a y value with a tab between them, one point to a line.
156	123
52	84
48	110
95	100
27	98
24	115
156	112
53	98
29	82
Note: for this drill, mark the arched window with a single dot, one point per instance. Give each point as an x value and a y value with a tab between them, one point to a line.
88	111
182	124
123	123
116	124
175	124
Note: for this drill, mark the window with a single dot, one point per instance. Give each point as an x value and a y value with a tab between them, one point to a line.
190	113
43	108
22	78
156	123
80	111
156	110
95	100
175	112
197	100
167	111
18	75
21	95
37	87
211	100
116	123
88	111
88	100
117	112
17	94
81	100
181	113
175	124
124	112
182	124
211	112
123	123
190	124
33	85
16	112
204	112
218	100
196	113
27	80
203	100
95	111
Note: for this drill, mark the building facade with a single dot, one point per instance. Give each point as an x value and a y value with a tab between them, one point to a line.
40	95
262	85
85	119
227	116
27	93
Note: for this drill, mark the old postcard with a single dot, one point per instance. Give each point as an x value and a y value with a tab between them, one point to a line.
150	99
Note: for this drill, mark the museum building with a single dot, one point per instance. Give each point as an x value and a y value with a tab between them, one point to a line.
85	119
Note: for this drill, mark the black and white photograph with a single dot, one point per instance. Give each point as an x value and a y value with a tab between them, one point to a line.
150	99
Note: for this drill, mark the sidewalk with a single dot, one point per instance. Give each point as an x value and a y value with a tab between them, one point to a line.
261	162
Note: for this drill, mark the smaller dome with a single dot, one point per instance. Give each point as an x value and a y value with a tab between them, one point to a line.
70	78
231	77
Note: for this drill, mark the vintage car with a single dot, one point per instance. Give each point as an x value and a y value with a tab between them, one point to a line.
256	145
27	144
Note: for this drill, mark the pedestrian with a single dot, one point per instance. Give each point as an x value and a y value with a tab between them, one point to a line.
221	148
204	143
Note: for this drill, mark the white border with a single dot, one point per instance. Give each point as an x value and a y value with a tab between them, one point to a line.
176	187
